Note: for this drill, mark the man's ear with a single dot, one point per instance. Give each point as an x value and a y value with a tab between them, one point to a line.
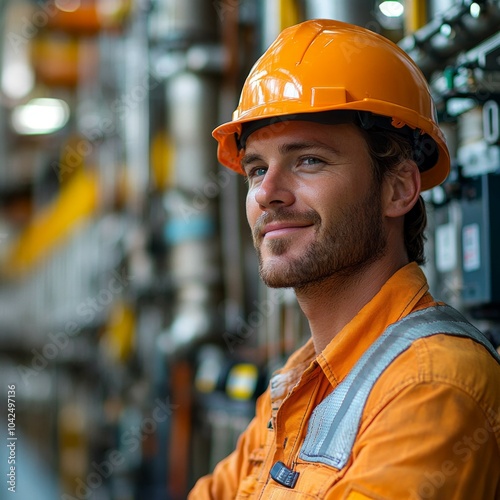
401	189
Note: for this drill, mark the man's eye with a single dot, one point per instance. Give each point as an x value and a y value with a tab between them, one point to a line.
256	172
310	160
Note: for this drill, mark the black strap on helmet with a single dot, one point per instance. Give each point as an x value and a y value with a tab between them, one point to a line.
425	149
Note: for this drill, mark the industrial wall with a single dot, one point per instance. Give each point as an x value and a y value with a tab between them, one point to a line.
134	332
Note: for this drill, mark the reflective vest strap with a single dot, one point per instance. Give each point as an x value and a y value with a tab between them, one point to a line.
335	422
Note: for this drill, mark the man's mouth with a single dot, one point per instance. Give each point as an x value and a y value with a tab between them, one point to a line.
281	229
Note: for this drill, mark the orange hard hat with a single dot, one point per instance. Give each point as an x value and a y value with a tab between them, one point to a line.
324	65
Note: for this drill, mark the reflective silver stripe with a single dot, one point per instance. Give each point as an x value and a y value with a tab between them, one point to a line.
334	424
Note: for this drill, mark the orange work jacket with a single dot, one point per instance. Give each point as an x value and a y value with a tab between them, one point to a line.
430	428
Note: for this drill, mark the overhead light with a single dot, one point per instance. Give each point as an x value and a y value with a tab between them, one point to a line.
391	8
475	10
40	116
68	5
18	78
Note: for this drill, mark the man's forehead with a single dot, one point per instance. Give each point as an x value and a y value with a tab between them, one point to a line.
276	122
293	135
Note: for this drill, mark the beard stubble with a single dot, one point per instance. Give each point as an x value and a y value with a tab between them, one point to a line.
354	239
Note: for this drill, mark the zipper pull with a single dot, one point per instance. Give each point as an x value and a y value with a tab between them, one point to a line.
283	475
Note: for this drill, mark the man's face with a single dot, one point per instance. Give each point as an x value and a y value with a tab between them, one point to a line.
312	204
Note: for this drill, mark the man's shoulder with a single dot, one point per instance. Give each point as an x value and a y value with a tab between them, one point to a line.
447	357
444	362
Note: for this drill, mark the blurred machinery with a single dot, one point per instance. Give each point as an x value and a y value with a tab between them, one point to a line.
467	90
132	319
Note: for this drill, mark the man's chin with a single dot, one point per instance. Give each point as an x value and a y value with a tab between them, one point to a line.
277	276
270	273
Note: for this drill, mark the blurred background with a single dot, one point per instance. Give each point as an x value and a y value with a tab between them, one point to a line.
132	321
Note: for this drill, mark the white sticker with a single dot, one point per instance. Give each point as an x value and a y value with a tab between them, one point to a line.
472	247
446	248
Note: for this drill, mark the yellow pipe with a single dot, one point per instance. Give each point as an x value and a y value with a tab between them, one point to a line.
289	13
416	15
119	335
76	202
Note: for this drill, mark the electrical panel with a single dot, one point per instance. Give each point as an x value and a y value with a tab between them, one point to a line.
481	240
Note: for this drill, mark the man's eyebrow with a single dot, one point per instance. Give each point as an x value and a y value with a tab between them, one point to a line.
250	158
291	147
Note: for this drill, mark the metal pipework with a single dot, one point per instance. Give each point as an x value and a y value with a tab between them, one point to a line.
451	32
359	12
180	23
192	91
191	205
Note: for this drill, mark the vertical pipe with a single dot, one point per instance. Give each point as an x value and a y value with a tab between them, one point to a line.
187	21
3	32
415	15
135	96
192	103
359	12
270	22
192	206
289	13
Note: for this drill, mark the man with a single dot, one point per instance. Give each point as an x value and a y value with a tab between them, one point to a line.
395	396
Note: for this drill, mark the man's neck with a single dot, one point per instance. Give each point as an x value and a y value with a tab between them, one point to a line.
333	303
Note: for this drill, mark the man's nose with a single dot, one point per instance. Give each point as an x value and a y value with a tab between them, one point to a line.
275	189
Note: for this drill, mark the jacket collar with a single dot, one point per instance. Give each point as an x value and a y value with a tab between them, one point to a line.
404	292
